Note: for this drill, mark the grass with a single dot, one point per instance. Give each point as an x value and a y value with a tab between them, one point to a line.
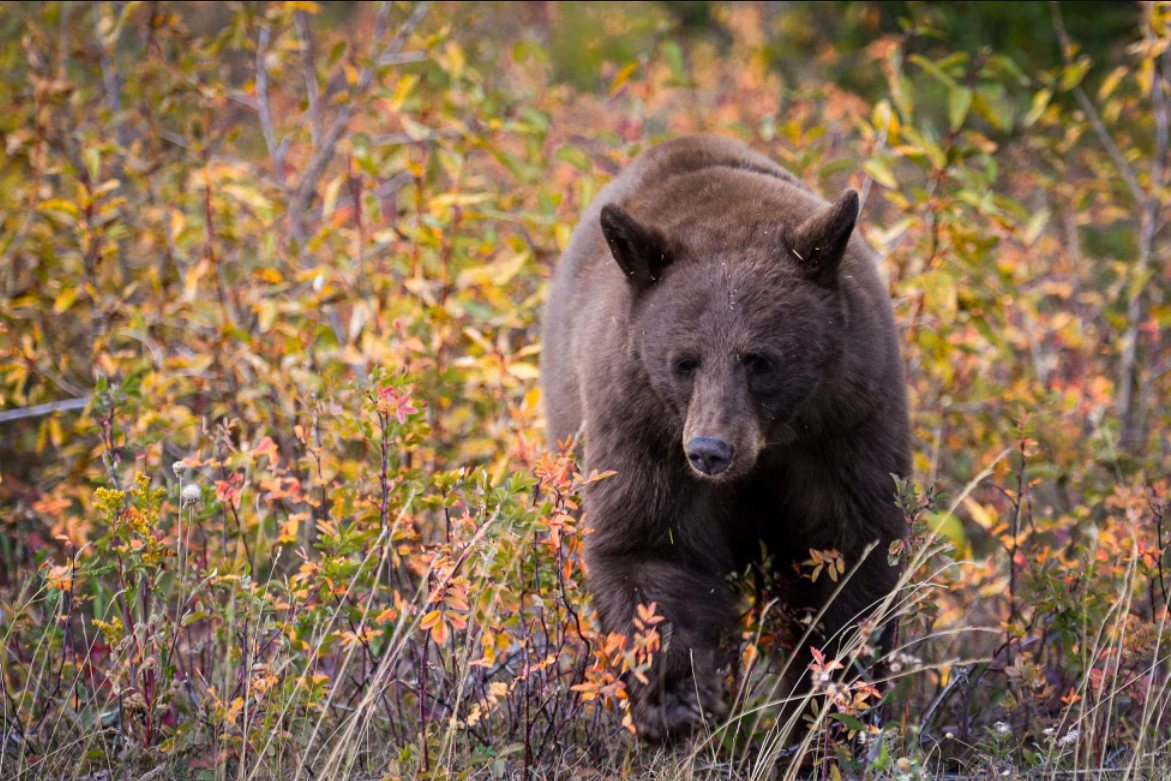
273	497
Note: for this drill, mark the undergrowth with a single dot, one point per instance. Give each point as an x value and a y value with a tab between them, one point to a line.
275	501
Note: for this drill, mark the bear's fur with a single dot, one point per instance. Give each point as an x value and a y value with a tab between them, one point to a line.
707	293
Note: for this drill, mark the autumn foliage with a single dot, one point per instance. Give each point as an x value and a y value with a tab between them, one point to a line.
274	495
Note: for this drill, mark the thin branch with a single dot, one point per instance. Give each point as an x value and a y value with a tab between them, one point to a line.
403	58
263	109
395	139
312	88
39	410
110	76
242	98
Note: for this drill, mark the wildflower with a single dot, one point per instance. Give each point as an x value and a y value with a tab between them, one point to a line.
404	408
190	494
1001	728
179	468
1069	737
397	402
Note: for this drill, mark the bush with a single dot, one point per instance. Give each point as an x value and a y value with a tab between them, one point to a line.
276	502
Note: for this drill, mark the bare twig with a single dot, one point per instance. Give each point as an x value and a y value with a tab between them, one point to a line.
312	89
403	58
113	82
38	410
276	150
395	139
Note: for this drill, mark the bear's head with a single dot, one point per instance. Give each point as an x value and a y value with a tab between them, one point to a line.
736	330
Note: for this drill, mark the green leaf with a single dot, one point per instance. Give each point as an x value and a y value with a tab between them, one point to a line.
932	68
1008	66
575	156
674	56
1074	73
1040	103
991	103
93	163
851	722
959	100
1036	226
1112	81
879	172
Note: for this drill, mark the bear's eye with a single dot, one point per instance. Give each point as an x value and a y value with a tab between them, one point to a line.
757	363
685	367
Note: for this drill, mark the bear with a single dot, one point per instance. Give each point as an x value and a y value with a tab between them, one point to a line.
718	336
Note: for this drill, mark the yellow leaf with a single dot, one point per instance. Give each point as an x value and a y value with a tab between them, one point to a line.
58	205
194	274
1110	83
439	633
446	200
266	315
403	90
499	273
979	513
622	77
524	371
329	200
65	299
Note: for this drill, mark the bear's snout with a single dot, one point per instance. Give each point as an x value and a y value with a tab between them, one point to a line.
710	455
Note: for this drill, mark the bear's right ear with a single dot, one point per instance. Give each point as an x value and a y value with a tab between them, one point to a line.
642	252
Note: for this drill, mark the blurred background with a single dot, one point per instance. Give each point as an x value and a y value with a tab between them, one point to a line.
270	282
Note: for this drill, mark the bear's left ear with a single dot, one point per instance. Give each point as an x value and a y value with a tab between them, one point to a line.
819	244
641	251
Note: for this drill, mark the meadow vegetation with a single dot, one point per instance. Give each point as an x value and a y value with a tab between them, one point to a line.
275	501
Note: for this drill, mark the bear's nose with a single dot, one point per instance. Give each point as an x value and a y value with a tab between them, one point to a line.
709	455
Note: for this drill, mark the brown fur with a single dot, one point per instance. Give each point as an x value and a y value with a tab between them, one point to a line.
739	309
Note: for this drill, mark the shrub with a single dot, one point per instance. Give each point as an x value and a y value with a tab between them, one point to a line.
276	502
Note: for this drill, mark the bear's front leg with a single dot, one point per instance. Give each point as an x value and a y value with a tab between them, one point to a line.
837	627
685	687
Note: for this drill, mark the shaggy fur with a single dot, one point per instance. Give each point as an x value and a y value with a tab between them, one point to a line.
708	293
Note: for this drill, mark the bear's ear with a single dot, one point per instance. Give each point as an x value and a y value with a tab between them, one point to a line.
642	252
819	244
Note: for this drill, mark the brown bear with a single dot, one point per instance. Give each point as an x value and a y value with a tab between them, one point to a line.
724	343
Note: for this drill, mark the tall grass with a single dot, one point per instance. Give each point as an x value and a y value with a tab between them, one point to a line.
274	502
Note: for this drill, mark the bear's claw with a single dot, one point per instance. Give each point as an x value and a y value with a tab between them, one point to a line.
684	707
